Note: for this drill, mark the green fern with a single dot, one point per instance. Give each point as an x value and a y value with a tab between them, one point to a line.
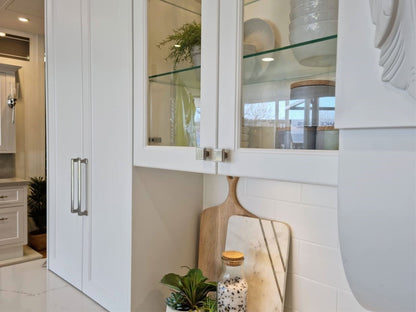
181	42
36	202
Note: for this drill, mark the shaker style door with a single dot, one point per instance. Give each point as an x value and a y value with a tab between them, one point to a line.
90	147
277	89
175	83
65	137
7	113
108	148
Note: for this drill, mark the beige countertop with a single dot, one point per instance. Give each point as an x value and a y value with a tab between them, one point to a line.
13	181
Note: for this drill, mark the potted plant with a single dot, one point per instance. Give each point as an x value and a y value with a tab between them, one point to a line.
185	44
190	292
36	205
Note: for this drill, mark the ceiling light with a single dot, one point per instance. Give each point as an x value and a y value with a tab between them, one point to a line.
267	59
23	19
2	34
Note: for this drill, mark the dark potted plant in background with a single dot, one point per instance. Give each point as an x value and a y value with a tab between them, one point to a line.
190	292
36	205
185	44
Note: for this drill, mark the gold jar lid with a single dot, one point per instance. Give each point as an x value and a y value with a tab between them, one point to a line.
308	83
233	258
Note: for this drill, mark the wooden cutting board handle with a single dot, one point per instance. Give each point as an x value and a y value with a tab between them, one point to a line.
213	231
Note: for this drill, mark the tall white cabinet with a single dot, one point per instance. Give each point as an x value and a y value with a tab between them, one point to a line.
89	147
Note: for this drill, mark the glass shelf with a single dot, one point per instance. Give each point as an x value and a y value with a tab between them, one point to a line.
281	63
285	66
189	77
194	6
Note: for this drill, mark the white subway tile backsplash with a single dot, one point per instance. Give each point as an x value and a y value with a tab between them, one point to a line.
305	295
319	195
313	224
271	189
347	303
216	190
322	264
294	256
317	225
316	278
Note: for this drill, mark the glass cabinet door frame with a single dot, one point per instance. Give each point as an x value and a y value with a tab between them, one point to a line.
305	166
176	157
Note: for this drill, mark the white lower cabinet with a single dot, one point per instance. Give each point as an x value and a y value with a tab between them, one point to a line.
13	220
89	147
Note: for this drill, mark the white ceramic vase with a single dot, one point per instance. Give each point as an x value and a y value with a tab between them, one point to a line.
196	55
169	309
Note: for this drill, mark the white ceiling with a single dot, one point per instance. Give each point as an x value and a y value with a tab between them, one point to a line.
10	10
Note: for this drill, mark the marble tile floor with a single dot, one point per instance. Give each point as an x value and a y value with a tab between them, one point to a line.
30	287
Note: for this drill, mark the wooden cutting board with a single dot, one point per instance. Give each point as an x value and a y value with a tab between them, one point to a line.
213	231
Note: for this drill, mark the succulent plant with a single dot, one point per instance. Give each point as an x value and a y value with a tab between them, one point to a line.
190	292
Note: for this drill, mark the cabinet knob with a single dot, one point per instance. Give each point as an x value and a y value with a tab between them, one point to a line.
4	219
3	196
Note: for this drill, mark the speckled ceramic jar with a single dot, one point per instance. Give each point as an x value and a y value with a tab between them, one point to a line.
232	287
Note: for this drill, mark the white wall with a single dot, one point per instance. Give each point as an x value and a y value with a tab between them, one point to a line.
30	109
166	209
316	280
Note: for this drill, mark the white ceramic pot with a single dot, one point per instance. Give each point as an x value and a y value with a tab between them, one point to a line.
302	33
296	3
169	309
311	7
196	55
320	53
314	17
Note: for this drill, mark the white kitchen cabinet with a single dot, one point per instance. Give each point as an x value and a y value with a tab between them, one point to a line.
157	87
13	217
89	126
7	117
228	84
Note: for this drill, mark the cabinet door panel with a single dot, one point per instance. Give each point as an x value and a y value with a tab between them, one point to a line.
12	222
175	104
8	128
65	111
108	148
260	120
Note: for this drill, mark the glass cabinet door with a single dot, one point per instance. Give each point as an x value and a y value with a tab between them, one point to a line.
175	92
288	75
174	75
280	76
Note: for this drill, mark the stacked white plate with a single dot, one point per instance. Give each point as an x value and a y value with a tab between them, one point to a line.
310	20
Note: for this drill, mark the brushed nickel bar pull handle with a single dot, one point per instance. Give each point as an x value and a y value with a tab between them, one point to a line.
80	212
73	161
79	186
3	196
4	219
